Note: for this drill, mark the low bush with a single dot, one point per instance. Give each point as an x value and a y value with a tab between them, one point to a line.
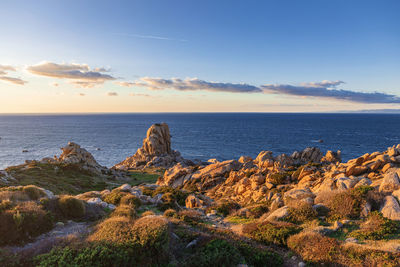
125	211
114	197
33	192
344	204
270	232
190	216
148	213
71	207
376	227
178	195
23	222
302	213
278	178
115	229
314	247
131	200
259	257
14	196
217	252
92	255
171	213
258	210
225	207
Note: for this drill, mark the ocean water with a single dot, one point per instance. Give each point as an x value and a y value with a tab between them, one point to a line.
196	136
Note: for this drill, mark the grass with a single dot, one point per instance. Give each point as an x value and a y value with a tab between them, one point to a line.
239	220
63	178
144	177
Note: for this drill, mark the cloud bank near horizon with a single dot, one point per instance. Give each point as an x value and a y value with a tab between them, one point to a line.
80	75
191	84
328	89
324	89
4	69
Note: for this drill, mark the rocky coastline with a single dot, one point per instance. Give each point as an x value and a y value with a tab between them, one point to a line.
307	207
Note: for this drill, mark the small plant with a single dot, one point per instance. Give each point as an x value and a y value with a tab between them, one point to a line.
376	227
314	247
33	192
125	211
225	207
278	178
114	197
217	252
302	213
170	213
270	232
131	200
71	207
148	213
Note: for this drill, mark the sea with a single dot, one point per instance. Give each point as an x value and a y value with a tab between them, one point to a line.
113	137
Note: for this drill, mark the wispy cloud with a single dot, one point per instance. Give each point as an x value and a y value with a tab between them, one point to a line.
80	74
155	37
112	94
4	69
192	84
328	89
141	95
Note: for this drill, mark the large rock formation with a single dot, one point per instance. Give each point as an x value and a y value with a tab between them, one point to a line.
155	152
76	155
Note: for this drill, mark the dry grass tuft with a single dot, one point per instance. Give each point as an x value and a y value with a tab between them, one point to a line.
313	246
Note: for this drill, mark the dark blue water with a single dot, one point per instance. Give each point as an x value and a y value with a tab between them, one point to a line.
196	136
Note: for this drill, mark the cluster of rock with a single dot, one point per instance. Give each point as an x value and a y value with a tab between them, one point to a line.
279	180
155	152
74	154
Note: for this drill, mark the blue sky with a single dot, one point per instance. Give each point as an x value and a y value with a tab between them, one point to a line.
253	42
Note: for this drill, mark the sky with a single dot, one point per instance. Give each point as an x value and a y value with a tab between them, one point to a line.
81	56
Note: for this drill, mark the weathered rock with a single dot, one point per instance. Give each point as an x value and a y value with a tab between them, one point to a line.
217	169
74	154
296	195
278	214
310	154
391	208
390	182
192	202
155	152
332	157
175	176
264	159
244	159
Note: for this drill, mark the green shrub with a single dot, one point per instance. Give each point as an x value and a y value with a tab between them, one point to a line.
301	213
179	195
170	213
152	232
92	256
71	207
114	197
259	257
190	216
33	192
131	200
225	207
217	252
125	211
270	232
25	221
148	213
5	204
116	230
258	210
278	178
376	227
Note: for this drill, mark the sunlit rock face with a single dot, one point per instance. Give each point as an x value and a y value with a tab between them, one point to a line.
155	152
75	154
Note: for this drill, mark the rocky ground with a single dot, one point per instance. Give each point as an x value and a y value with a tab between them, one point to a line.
285	210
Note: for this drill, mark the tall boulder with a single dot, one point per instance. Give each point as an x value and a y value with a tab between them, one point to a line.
155	152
